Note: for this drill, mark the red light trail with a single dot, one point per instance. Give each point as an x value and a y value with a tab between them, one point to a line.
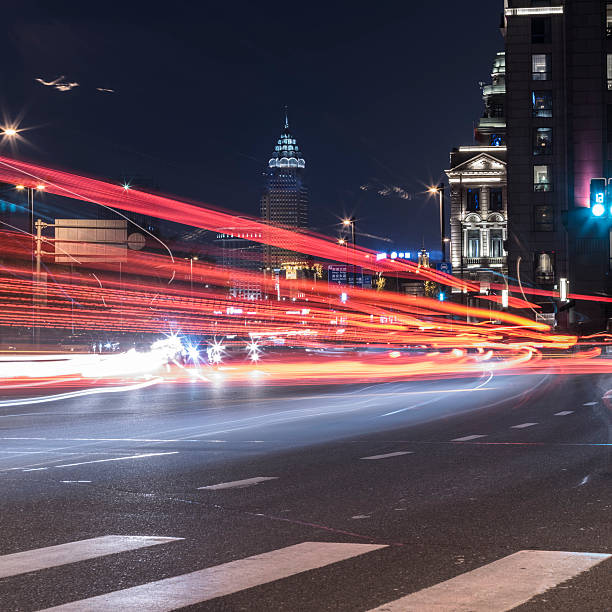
307	314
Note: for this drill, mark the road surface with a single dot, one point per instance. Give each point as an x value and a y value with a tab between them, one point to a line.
311	498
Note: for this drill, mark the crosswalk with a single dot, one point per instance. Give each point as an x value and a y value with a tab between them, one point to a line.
496	587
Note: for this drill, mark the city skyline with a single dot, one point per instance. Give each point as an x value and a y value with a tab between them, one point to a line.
142	126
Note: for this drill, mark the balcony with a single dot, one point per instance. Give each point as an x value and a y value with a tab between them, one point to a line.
484	262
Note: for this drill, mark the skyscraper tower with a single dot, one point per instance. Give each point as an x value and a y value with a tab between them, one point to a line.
285	200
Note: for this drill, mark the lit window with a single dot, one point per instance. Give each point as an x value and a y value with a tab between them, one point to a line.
473	199
473	243
496	248
542	141
609	70
609	20
541	178
540	67
544	268
542	103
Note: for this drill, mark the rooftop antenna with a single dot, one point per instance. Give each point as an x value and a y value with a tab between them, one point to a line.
286	118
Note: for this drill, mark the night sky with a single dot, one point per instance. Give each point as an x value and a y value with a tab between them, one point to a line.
378	94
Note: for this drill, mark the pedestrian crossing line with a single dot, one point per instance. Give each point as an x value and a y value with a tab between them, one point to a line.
71	552
238	484
501	585
397	454
204	585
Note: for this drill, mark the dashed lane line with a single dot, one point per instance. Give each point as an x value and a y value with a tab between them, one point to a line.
238	484
523	425
564	413
397	454
468	438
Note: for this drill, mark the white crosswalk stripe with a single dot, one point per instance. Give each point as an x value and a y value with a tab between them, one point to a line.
81	550
501	585
203	585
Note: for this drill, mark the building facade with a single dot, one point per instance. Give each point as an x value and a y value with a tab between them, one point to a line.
240	253
478	189
559	116
285	201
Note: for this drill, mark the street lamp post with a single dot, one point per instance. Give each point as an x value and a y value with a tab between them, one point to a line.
346	223
34	247
440	191
191	260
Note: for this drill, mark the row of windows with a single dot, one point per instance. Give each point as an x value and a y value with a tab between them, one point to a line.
541	27
473	243
473	199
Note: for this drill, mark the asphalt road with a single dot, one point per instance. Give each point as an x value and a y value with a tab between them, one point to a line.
431	479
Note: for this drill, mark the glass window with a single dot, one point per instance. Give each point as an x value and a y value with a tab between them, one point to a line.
541	178
609	70
609	20
540	67
496	246
473	243
544	268
473	199
496	199
542	141
543	219
540	30
542	103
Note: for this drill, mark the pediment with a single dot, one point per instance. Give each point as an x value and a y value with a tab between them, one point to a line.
483	162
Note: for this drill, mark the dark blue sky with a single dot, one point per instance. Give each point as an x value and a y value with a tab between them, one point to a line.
377	94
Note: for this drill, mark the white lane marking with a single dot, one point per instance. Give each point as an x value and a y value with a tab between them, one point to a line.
523	425
468	438
564	413
239	484
116	459
590	404
436	399
74	481
62	396
110	439
389	455
585	480
204	585
501	585
52	556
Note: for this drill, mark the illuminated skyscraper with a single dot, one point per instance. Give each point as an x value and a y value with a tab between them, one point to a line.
285	200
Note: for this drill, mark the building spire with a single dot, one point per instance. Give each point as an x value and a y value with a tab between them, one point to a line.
286	118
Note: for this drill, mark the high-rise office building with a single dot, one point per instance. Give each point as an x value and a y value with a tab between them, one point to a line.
559	136
285	200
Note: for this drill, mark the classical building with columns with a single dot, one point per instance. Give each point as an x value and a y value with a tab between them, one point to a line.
478	188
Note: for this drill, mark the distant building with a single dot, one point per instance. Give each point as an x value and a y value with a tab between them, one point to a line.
241	256
477	178
285	200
